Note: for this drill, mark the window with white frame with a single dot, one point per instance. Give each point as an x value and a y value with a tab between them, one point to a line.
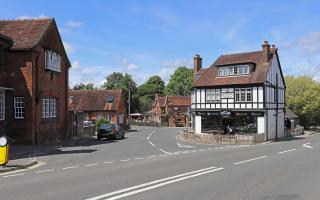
49	108
213	95
234	70
243	95
52	61
18	103
2	105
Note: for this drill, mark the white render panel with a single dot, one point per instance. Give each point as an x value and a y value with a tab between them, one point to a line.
198	96
203	96
230	105
237	105
225	105
217	105
260	94
193	106
207	105
255	94
213	105
198	124
261	124
249	105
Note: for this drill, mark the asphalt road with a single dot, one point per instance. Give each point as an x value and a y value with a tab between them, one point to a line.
149	164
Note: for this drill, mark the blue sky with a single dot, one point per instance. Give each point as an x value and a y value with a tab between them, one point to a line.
146	38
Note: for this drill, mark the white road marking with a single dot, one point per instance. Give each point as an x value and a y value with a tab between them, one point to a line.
90	165
162	184
202	150
125	160
184	146
165	151
139	158
148	138
261	157
152	143
153	182
47	170
108	162
307	145
152	156
13	175
281	152
70	167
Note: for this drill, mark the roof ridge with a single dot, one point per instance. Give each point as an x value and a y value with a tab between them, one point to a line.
28	19
240	53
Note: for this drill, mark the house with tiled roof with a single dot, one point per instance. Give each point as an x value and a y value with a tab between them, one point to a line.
173	110
241	93
33	81
92	105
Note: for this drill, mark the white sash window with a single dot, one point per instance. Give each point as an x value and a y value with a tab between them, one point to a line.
49	108
18	107
52	61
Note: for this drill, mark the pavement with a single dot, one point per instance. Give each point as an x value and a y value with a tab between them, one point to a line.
151	164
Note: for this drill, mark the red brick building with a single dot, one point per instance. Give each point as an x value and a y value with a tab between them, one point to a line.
97	104
173	110
33	81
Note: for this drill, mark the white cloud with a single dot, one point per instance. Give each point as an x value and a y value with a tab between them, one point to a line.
129	66
32	17
68	47
74	24
168	68
86	74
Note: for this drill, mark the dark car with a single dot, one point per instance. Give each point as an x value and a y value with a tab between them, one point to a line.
110	131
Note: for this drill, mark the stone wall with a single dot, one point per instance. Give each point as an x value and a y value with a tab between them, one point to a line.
205	138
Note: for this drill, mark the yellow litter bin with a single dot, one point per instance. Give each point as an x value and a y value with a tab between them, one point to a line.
4	151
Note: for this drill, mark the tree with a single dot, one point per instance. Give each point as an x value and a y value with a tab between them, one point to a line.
303	98
84	86
118	80
147	91
180	82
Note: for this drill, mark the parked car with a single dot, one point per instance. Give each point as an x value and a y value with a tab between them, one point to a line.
110	131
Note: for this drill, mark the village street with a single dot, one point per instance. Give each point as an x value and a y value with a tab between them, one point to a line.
151	164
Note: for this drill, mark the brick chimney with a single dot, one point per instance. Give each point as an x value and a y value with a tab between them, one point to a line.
197	64
266	51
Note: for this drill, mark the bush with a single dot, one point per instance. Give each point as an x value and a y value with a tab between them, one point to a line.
101	121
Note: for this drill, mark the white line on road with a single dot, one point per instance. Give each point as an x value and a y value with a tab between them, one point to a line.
208	170
138	158
125	160
47	170
90	165
70	167
164	151
152	143
261	157
281	152
307	145
108	162
184	146
13	175
152	156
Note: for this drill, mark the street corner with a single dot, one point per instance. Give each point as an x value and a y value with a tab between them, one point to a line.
19	165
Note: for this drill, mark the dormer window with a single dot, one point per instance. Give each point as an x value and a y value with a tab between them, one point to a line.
52	61
234	70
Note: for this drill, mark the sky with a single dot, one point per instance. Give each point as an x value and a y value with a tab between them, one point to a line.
145	38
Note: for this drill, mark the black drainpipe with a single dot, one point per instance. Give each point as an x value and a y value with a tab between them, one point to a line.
36	99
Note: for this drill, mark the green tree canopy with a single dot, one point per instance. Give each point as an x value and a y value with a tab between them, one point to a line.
84	86
147	91
180	82
124	81
303	98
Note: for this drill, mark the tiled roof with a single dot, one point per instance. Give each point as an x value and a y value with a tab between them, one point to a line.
94	100
259	75
25	33
290	114
179	100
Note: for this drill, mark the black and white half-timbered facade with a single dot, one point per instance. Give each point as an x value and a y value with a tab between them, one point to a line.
240	93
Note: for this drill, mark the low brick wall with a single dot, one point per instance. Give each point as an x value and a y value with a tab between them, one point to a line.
294	132
205	138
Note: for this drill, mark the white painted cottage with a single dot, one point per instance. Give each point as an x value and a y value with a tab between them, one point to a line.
241	93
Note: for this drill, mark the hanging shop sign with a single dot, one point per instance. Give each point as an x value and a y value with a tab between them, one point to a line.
225	113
